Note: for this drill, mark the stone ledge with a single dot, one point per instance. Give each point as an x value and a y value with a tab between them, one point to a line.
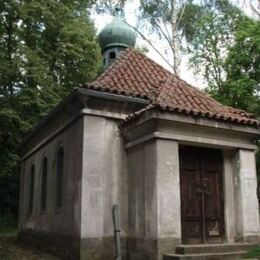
61	245
150	248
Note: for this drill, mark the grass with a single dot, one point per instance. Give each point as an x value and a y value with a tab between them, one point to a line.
11	249
254	253
8	225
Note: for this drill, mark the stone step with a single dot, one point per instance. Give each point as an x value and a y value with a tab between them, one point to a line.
207	256
213	248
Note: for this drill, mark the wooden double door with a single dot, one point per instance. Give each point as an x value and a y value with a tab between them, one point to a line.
202	202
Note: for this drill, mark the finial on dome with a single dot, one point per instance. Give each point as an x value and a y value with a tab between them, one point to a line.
115	37
119	11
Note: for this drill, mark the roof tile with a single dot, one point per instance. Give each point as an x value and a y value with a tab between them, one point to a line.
134	74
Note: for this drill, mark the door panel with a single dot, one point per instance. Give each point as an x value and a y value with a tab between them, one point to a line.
201	195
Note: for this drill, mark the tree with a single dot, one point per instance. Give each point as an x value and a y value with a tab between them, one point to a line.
254	5
242	65
103	6
164	17
223	45
176	21
209	31
46	49
241	88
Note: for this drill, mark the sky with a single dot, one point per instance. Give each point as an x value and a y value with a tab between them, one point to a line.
131	13
131	10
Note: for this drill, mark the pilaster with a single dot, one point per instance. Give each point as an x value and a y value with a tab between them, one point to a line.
247	188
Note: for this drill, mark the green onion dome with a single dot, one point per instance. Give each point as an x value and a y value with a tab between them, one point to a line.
117	33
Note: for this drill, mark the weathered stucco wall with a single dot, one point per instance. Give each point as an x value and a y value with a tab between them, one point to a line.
140	173
104	183
229	194
59	228
247	213
154	199
142	182
152	147
241	203
94	179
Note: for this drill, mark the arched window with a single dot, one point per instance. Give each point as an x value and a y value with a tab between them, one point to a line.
31	189
59	177
44	184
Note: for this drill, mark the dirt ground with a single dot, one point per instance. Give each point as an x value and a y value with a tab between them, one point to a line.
10	249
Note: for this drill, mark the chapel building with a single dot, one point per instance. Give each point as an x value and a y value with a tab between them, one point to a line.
179	165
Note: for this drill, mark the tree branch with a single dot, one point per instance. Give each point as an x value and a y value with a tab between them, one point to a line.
169	40
148	41
166	29
255	10
182	12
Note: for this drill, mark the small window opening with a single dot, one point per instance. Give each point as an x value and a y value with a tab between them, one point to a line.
44	184
112	55
31	189
59	177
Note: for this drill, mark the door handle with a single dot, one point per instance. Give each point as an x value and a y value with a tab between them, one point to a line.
202	189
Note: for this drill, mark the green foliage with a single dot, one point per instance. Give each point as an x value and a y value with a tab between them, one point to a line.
142	49
242	84
242	65
107	6
223	44
8	225
193	12
47	48
224	47
239	86
201	24
209	30
158	10
253	253
163	18
12	248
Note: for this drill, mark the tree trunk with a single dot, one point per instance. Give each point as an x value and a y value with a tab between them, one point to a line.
175	44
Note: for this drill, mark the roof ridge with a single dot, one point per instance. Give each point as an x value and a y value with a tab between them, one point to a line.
110	67
148	59
136	75
175	76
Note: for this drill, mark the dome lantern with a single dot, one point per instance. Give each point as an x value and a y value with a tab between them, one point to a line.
115	37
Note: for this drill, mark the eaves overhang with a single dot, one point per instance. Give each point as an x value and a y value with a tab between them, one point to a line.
81	96
155	113
154	124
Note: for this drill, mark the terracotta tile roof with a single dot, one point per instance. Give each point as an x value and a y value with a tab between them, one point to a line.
134	74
